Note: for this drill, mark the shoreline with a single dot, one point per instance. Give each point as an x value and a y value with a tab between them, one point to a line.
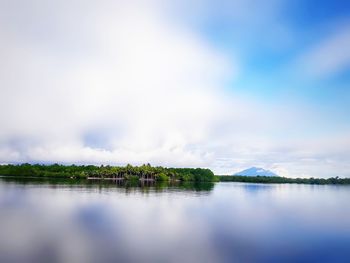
218	178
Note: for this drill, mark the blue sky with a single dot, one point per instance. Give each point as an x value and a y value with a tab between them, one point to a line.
219	84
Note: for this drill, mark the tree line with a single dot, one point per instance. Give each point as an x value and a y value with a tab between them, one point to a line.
282	180
148	172
128	172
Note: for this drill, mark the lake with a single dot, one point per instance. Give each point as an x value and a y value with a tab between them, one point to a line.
79	221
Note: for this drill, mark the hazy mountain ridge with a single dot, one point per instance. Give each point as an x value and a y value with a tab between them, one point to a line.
255	171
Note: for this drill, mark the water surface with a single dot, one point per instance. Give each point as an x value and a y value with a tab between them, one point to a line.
78	221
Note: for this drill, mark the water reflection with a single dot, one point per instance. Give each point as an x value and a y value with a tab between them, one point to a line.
142	186
254	188
104	221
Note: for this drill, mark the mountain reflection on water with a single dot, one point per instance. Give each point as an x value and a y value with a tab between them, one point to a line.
46	220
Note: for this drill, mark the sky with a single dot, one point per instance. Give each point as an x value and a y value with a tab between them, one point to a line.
219	84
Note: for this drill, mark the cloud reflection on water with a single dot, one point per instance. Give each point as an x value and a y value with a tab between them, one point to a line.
233	222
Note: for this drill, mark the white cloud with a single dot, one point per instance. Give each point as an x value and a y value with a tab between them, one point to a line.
330	55
142	86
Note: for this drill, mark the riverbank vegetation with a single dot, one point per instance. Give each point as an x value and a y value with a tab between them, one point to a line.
282	180
128	172
147	172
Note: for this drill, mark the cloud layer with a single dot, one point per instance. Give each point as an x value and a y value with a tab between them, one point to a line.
122	85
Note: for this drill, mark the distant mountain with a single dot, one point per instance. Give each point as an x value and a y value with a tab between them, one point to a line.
255	171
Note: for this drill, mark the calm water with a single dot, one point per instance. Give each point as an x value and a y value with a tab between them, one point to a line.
58	221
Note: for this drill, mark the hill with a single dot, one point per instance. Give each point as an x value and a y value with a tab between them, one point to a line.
255	171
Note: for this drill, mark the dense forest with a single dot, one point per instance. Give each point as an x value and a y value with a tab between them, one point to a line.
128	172
282	180
147	172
